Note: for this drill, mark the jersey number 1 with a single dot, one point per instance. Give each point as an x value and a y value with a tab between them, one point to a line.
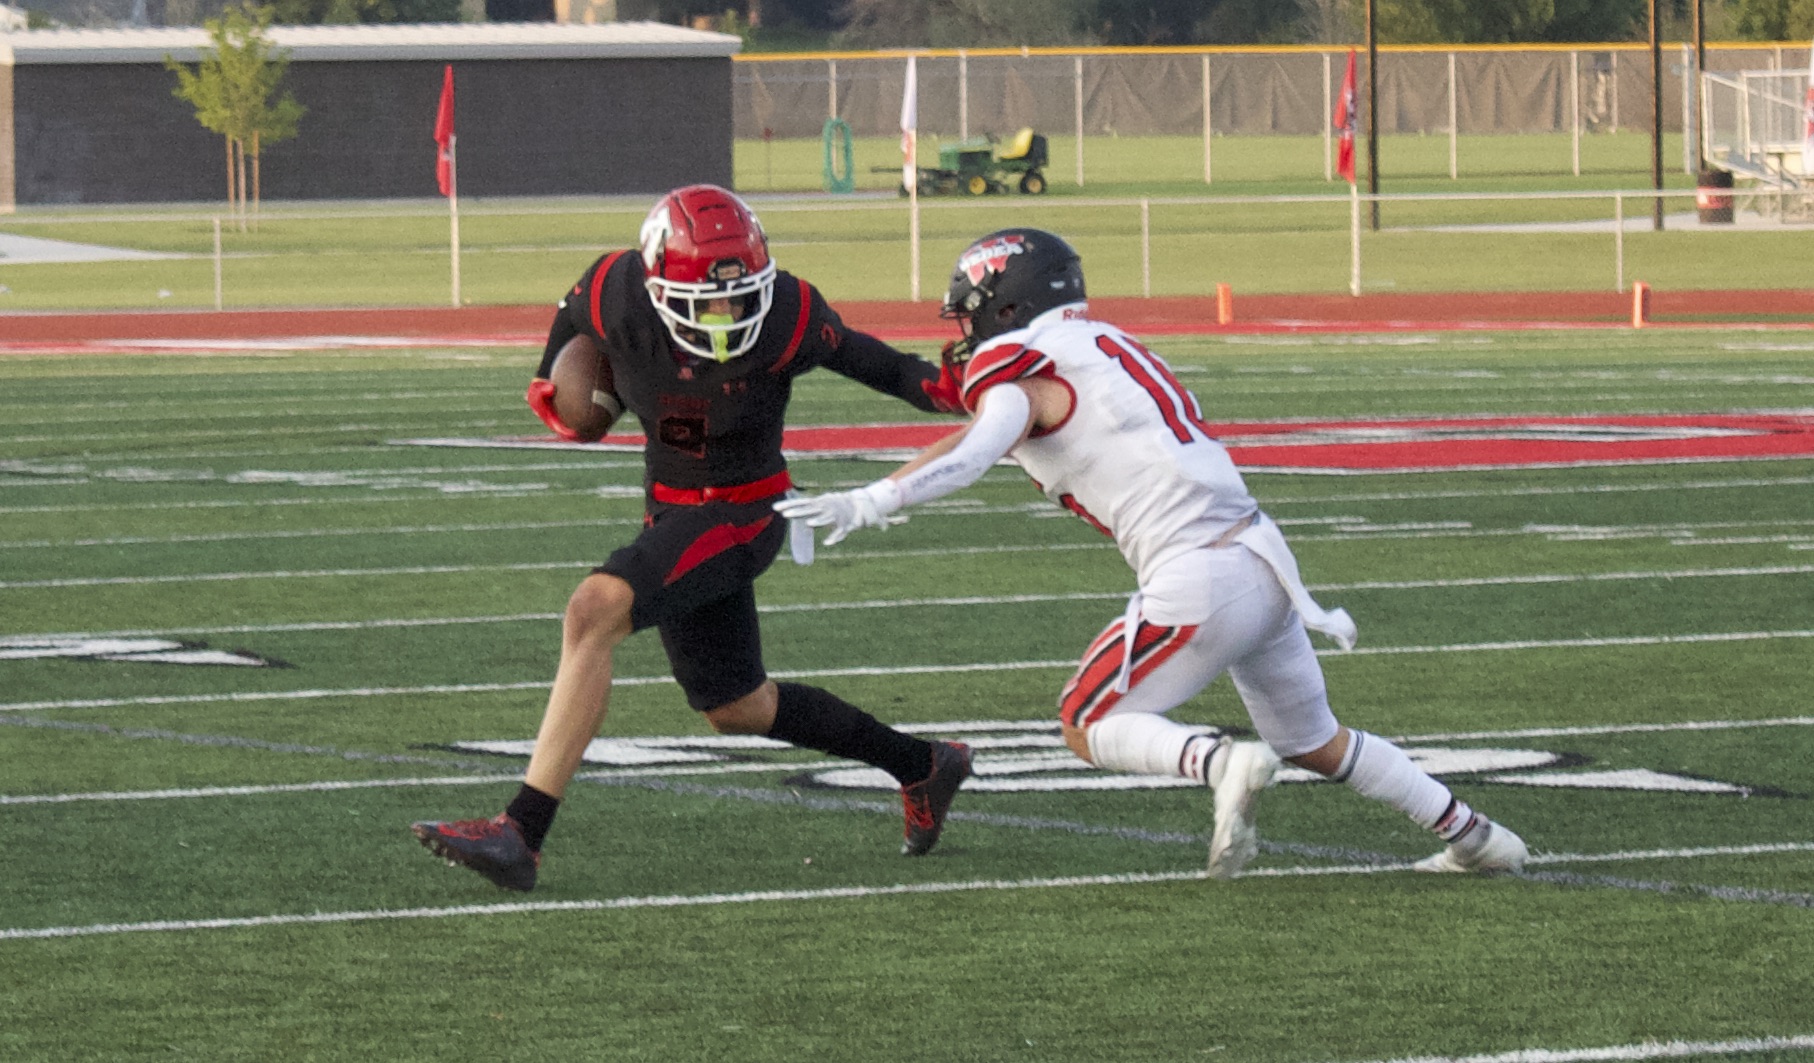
1175	404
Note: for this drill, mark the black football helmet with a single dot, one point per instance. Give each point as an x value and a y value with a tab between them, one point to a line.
1007	279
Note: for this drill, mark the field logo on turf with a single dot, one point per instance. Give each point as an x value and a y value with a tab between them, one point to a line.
130	650
1029	757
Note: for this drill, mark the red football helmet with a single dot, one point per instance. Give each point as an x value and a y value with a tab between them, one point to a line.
701	244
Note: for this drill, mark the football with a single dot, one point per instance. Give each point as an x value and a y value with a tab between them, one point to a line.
584	393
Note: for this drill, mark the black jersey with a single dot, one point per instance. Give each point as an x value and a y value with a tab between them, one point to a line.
712	424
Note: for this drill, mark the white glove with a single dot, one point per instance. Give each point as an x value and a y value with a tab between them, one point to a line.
845	511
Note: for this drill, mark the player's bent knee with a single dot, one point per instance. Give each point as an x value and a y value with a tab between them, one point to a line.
751	714
1079	740
599	609
1326	759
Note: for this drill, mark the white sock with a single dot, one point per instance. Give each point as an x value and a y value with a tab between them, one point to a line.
1149	744
1378	769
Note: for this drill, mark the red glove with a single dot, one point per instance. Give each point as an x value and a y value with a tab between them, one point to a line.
541	399
946	392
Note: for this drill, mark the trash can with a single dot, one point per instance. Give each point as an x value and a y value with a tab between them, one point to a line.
1714	197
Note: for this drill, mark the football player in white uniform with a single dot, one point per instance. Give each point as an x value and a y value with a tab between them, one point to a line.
1105	430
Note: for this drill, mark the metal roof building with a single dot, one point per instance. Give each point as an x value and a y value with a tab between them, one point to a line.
88	116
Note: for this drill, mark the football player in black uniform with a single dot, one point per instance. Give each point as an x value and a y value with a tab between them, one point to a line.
704	337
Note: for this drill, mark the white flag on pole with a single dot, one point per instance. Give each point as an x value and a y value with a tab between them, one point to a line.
910	121
1807	121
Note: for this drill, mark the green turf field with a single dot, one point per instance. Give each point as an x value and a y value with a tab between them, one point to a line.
857	247
212	862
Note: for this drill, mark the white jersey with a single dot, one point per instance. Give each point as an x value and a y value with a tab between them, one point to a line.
1133	458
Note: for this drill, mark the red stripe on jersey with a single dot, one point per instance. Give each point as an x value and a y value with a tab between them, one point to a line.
1070	502
1091	695
998	367
715	541
793	343
598	289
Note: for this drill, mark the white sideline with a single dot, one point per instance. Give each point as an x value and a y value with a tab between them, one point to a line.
754	896
1640	1051
914	669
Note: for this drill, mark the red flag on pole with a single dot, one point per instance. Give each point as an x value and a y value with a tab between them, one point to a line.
1344	123
444	134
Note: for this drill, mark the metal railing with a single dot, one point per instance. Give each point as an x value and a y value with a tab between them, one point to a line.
1754	124
853	246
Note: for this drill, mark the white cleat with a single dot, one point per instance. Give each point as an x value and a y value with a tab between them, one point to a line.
1247	769
1498	850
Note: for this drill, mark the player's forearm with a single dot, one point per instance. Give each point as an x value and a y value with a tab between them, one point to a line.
959	460
875	364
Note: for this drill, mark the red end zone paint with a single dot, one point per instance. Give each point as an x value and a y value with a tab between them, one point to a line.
1451	443
1501	442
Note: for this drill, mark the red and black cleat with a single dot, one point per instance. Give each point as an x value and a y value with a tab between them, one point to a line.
927	801
493	847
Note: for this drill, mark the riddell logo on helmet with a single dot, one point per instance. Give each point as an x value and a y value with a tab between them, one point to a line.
989	257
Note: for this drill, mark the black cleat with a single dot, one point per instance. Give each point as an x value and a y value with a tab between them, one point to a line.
493	847
927	801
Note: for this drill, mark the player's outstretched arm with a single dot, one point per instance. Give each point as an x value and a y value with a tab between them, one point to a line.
1004	416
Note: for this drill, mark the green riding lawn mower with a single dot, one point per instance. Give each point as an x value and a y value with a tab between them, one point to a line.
981	166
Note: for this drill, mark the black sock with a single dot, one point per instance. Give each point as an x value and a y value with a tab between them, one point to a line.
817	719
533	811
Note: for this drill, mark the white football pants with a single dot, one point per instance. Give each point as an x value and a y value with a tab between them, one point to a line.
1209	611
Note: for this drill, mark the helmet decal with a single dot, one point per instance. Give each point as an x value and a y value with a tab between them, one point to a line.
656	229
989	255
1006	279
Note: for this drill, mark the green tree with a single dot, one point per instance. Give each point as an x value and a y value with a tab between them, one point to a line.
963	23
352	12
1506	21
234	90
1776	20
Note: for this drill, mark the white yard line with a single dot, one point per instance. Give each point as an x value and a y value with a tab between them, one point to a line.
1633	1052
227	503
967	600
335	785
1271	502
421	570
900	670
703	900
315	533
1346	527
